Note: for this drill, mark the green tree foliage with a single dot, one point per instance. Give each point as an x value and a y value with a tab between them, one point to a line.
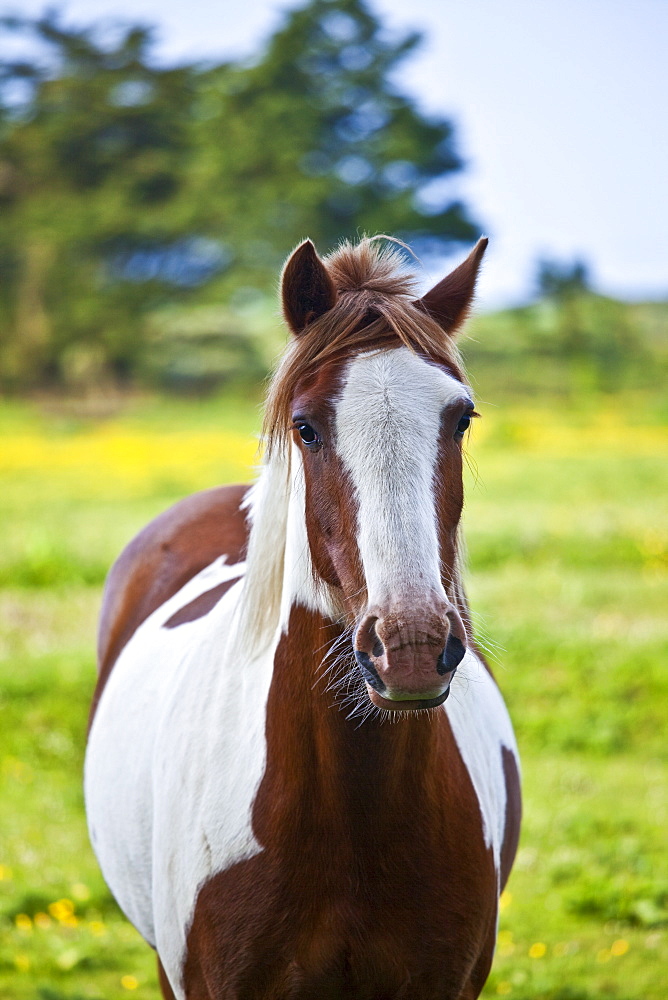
593	334
572	345
314	139
570	342
125	186
92	162
562	281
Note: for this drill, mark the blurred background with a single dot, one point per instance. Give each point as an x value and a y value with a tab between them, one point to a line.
157	163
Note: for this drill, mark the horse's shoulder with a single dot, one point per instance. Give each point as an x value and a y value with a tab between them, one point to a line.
168	552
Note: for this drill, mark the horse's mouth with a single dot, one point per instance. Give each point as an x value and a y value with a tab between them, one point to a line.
397	700
406	704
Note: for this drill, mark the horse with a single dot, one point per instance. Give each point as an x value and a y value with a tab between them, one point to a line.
301	779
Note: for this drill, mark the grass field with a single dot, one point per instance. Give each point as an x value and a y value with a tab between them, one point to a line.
567	536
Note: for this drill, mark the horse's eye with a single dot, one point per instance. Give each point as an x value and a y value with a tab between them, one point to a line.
463	425
307	434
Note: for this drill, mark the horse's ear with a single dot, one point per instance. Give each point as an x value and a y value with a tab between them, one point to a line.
450	300
307	289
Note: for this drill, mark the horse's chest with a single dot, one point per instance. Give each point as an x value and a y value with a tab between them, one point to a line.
316	924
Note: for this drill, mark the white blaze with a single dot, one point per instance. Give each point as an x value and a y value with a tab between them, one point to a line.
387	426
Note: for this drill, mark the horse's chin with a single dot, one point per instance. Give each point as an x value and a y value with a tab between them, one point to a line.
406	704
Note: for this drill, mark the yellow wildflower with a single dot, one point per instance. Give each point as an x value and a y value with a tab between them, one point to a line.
61	909
505	900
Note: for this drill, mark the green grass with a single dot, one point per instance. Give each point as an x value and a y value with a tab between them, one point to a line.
566	529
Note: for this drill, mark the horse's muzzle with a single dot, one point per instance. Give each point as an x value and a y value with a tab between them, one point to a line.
408	660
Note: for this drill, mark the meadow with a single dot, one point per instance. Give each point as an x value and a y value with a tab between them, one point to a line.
568	547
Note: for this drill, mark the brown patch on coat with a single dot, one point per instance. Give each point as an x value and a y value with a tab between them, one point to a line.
374	879
511	833
167	553
331	523
449	493
201	606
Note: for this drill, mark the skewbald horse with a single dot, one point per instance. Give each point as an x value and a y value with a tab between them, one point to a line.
279	795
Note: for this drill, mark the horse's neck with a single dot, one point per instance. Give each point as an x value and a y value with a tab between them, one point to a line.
325	771
324	766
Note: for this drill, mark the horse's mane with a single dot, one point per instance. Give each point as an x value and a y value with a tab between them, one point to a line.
376	308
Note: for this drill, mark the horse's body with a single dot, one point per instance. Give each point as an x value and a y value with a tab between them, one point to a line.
255	812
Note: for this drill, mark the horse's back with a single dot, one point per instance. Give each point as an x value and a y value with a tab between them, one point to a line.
161	559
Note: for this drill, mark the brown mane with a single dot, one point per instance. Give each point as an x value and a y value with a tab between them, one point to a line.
376	308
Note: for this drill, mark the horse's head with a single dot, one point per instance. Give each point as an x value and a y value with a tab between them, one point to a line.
375	399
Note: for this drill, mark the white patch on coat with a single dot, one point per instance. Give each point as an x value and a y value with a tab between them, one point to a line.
388	422
481	726
168	804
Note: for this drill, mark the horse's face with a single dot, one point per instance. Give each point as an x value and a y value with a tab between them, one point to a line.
380	436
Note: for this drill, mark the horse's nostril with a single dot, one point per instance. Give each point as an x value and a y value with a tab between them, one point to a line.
368	671
452	655
373	639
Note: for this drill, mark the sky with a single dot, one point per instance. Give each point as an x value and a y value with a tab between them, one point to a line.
561	113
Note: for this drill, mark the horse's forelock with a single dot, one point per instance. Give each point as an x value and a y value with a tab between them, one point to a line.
375	308
372	267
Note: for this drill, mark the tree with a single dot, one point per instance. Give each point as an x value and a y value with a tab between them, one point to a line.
125	187
92	165
592	333
560	281
333	147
